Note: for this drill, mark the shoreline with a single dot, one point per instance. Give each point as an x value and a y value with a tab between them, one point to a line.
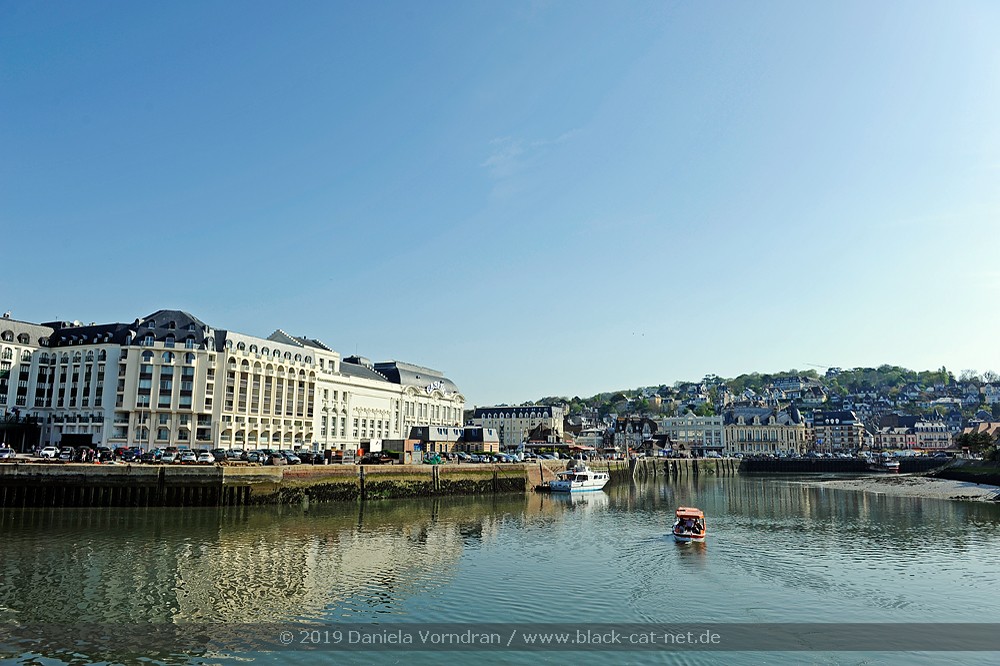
906	485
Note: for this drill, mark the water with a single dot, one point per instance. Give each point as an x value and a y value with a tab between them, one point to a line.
778	551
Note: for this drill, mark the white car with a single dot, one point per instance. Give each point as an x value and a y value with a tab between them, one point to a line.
49	452
6	453
206	458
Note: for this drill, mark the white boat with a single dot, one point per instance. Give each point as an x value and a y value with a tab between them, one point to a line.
579	479
885	463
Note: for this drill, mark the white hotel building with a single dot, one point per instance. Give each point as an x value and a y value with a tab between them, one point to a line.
169	379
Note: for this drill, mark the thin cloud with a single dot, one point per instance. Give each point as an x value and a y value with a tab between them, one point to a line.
509	155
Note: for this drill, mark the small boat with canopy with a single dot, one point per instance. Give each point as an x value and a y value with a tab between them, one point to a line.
690	525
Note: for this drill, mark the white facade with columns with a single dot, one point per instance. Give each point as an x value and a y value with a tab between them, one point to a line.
171	380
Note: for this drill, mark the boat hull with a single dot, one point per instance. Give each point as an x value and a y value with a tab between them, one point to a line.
562	487
688	538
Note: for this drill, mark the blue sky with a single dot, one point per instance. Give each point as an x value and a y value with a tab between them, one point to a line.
537	198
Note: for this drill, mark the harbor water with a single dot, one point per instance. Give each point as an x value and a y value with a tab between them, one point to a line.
778	551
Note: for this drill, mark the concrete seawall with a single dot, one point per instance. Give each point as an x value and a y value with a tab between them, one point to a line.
830	465
80	485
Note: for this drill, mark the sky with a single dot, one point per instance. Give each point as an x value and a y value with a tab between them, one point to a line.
535	198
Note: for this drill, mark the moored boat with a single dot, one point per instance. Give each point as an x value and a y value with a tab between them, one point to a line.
578	479
885	463
690	525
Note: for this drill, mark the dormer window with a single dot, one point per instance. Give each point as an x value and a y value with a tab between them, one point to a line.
150	324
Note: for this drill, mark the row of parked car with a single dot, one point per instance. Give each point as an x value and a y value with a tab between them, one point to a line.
175	455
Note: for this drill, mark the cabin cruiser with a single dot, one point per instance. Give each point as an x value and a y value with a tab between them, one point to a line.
579	478
690	525
885	463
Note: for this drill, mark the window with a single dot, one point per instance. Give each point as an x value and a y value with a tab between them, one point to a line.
148	340
168	341
168	357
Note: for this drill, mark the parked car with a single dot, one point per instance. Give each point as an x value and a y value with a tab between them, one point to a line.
151	457
66	453
275	459
206	458
169	456
309	458
131	455
188	457
218	455
49	452
290	457
375	459
7	453
234	454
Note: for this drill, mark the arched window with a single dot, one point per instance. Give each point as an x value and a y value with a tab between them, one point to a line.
25	355
253	349
241	346
298	357
90	356
309	359
229	344
265	351
24	338
168	357
189	358
171	325
102	355
151	324
77	357
7	336
288	355
191	327
147	357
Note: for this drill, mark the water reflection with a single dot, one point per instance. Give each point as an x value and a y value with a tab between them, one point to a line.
777	550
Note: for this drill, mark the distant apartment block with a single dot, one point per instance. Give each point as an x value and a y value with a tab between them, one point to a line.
837	431
515	423
694	433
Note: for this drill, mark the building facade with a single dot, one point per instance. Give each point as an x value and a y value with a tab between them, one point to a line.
515	423
169	379
694	433
838	431
764	430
